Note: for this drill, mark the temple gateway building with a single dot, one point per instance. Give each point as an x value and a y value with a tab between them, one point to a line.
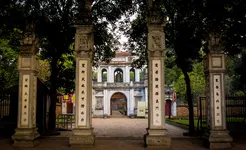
121	90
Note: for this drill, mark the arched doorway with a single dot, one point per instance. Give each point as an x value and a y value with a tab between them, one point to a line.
118	106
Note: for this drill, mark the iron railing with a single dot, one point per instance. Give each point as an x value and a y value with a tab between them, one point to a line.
235	110
65	121
4	105
9	108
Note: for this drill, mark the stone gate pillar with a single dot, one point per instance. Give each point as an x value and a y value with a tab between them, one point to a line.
84	42
26	131
214	65
157	134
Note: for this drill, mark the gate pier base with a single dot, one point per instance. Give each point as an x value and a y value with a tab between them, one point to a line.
25	137
157	138
218	139
82	138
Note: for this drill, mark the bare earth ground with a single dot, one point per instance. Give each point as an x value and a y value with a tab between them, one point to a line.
119	134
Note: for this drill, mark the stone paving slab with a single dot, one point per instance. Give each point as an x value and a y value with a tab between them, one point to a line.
62	144
126	127
119	134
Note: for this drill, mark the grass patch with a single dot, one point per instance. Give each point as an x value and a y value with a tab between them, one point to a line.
186	122
235	119
122	111
204	124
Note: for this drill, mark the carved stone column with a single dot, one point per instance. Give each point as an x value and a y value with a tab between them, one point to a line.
214	64
83	133
26	131
157	134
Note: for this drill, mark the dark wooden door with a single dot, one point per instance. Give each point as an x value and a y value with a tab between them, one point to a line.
168	108
69	108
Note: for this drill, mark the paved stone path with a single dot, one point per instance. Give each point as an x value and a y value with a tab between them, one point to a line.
62	144
126	127
131	130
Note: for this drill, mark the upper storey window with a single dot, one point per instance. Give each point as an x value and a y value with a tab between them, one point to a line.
118	75
104	75
132	74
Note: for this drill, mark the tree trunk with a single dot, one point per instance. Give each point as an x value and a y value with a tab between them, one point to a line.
190	103
52	108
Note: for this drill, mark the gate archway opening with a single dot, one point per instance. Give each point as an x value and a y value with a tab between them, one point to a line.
118	105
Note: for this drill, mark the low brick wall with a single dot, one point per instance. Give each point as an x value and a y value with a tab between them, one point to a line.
183	111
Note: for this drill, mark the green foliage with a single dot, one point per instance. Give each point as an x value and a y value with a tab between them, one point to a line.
105	76
8	65
235	79
197	83
132	76
172	75
66	77
142	74
94	74
187	31
44	70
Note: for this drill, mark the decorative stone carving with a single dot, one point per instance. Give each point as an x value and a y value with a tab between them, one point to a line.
29	44
155	95
99	103
25	101
215	43
156	42
207	89
83	94
34	100
84	42
217	101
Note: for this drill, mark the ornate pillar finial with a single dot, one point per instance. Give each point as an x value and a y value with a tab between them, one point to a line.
215	43
84	16
29	42
155	14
